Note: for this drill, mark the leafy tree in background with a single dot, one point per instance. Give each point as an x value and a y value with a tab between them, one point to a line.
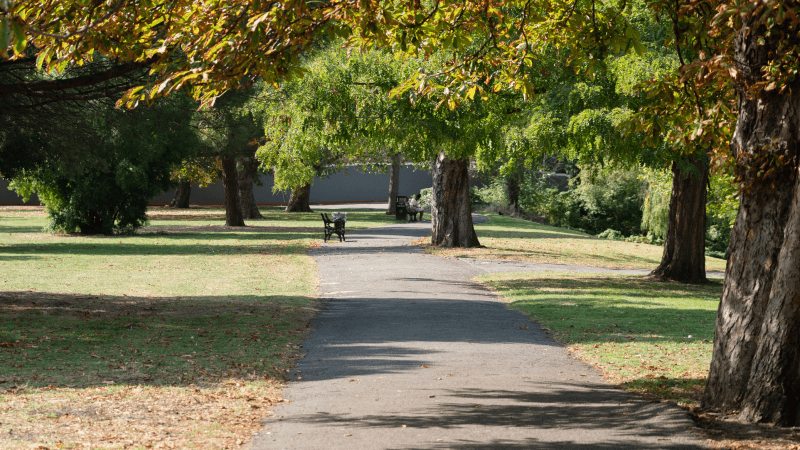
341	113
133	156
201	170
723	203
575	117
612	198
676	101
655	211
232	133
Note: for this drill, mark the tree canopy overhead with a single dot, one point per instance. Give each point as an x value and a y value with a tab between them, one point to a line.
215	45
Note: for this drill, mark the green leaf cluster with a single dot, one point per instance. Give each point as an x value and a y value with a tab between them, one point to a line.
132	154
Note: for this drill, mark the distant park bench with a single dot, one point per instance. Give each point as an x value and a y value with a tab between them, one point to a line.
335	226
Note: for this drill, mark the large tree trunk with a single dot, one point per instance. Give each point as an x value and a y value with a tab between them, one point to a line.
394	184
755	367
299	201
684	257
248	167
181	199
233	209
451	211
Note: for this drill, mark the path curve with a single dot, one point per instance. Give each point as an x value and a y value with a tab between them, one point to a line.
408	352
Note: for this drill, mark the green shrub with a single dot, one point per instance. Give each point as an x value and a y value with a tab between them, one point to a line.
493	194
476	200
132	155
99	200
475	197
721	210
655	212
538	199
612	235
611	198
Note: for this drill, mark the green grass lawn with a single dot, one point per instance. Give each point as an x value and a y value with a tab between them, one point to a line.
521	240
185	307
651	337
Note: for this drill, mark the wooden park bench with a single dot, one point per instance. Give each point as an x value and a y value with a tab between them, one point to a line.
333	226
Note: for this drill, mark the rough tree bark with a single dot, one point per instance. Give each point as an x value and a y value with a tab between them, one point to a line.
233	209
394	184
247	169
451	211
755	367
299	201
181	199
684	256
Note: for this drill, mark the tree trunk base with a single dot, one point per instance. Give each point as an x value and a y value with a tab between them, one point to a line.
246	176
299	201
451	210
755	366
181	199
233	208
394	185
684	257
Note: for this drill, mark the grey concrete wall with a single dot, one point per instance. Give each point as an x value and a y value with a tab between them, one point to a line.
9	197
349	185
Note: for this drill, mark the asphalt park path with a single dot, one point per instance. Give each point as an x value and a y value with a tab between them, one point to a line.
408	353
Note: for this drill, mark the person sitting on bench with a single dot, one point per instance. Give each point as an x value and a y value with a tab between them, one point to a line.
414	208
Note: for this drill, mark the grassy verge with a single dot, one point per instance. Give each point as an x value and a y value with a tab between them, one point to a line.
177	336
650	337
520	240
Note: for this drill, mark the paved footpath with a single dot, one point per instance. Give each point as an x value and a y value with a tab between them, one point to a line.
409	353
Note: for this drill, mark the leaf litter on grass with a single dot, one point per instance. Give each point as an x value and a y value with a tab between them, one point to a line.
109	372
512	239
649	337
173	340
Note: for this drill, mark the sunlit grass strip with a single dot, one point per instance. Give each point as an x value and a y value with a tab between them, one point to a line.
273	217
650	337
508	238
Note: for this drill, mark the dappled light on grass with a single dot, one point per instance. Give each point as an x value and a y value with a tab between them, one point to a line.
179	372
652	337
508	238
87	341
178	338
